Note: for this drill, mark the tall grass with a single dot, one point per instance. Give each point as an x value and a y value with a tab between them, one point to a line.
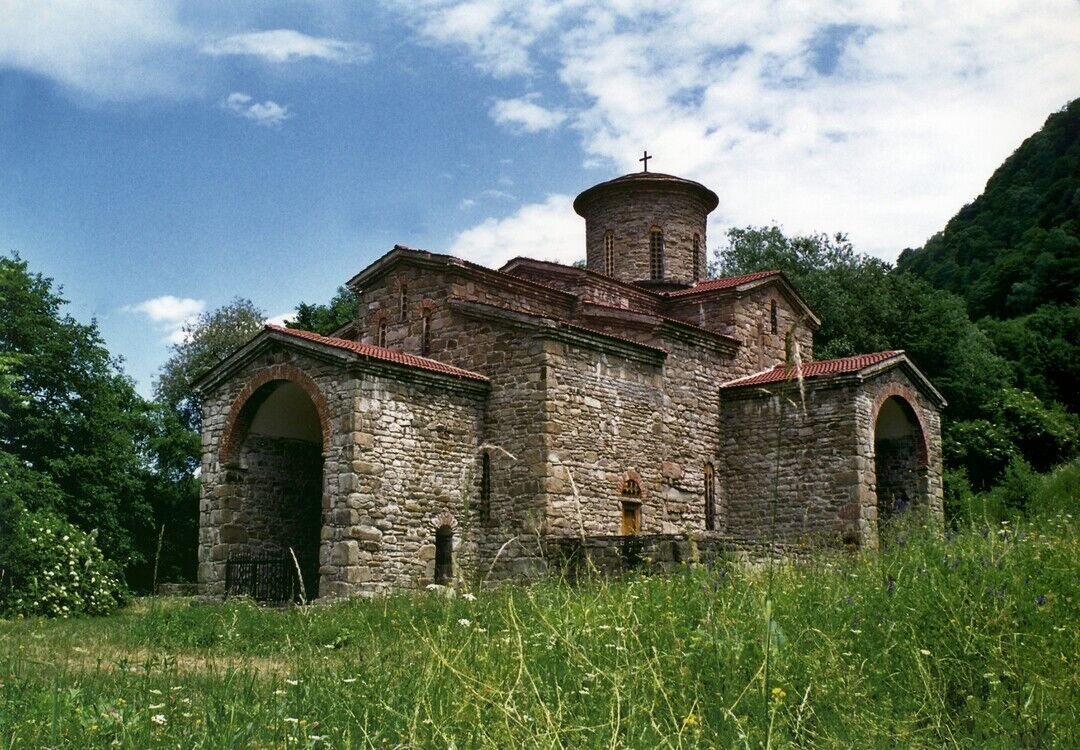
965	640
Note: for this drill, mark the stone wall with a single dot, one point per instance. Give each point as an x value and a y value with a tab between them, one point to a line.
807	457
396	460
630	214
822	464
280	498
897	474
427	293
603	423
747	319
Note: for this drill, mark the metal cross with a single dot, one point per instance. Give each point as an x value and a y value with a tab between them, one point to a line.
645	160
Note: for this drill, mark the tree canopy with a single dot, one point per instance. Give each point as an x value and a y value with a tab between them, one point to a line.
212	337
341	310
75	433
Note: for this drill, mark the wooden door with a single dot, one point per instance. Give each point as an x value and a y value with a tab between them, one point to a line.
631	518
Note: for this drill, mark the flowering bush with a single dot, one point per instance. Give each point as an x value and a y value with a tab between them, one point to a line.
54	569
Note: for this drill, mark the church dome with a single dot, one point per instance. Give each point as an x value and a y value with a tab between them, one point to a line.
647	228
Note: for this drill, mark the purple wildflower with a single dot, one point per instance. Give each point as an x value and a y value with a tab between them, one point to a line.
1040	600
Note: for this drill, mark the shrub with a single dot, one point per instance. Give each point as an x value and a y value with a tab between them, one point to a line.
51	568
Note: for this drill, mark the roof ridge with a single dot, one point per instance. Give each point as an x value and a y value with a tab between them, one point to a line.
724	282
383	353
816	368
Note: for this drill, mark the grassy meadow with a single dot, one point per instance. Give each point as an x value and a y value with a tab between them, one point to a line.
962	640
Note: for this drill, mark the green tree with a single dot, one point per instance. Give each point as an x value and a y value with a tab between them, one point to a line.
864	306
74	431
208	340
1043	349
342	309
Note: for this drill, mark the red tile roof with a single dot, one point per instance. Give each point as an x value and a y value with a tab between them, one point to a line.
726	282
823	368
381	353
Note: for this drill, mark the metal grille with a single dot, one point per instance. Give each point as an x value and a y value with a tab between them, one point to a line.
265	579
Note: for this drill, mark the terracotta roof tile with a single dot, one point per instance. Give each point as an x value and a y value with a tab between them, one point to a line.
381	353
726	282
823	368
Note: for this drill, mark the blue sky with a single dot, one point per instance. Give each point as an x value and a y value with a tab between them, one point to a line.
158	159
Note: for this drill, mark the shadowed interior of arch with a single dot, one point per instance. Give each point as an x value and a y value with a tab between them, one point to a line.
281	462
900	461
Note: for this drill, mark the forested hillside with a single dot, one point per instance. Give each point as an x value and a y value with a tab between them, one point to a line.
1017	246
1013	255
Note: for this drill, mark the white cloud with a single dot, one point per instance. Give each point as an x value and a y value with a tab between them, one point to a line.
875	118
548	231
169	314
281	318
288	45
466	203
268	113
525	115
109	49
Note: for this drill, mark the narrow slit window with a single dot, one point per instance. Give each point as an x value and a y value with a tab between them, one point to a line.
485	486
609	253
696	270
403	302
656	254
382	333
774	318
710	498
444	555
425	334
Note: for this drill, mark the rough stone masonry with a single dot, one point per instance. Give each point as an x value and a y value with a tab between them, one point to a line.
472	420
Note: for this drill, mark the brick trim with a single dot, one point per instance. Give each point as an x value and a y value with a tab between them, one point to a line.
247	403
901	391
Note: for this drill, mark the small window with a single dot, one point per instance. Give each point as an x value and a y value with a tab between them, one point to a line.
710	499
403	302
381	341
444	555
774	318
485	486
656	254
631	488
631	518
696	270
609	253
425	334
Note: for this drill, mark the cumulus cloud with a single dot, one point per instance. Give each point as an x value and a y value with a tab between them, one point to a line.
109	49
268	113
874	118
549	231
169	314
525	115
288	45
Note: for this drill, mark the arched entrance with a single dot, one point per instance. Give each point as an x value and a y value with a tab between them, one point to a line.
274	452
900	459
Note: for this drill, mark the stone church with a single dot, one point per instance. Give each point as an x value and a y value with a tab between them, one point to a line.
472	418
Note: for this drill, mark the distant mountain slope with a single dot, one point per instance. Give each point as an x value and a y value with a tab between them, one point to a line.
1017	246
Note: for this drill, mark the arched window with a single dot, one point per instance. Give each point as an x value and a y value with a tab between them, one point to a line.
381	340
425	334
485	486
656	254
696	271
403	301
444	555
774	318
609	253
710	498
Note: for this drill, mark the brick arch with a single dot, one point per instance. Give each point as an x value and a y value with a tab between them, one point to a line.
247	403
906	395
